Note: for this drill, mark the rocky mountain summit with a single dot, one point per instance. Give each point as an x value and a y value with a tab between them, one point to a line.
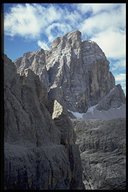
76	72
39	148
59	102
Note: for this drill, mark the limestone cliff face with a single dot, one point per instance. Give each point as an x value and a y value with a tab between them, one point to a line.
77	72
37	151
36	62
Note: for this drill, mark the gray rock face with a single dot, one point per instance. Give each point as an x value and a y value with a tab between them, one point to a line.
36	62
35	157
77	72
114	99
25	111
103	153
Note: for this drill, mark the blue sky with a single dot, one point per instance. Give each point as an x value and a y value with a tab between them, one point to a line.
29	27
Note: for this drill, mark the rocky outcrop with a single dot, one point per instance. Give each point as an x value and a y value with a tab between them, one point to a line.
36	62
64	123
114	99
68	139
26	116
112	106
77	72
34	154
103	153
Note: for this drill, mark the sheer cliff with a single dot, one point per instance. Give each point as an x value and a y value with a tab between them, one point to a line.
76	72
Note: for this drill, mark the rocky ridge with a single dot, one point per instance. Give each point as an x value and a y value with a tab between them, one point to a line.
38	153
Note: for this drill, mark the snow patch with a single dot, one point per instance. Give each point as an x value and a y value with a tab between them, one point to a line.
77	114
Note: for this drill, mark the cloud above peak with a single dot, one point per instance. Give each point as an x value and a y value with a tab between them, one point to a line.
29	20
93	20
22	21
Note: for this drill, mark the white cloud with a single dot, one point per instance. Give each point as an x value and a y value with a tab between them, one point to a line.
73	17
119	64
115	19
29	20
22	21
43	45
60	29
96	8
113	43
120	77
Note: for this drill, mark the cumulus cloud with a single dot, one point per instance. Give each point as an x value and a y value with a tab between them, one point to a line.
113	43
108	19
29	20
33	20
22	21
120	77
95	7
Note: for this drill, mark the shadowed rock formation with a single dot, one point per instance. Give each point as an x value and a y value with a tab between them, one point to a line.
35	156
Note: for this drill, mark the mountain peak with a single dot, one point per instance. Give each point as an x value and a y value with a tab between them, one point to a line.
79	71
69	38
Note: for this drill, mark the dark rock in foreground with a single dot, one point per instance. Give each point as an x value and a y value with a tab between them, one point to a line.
36	156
